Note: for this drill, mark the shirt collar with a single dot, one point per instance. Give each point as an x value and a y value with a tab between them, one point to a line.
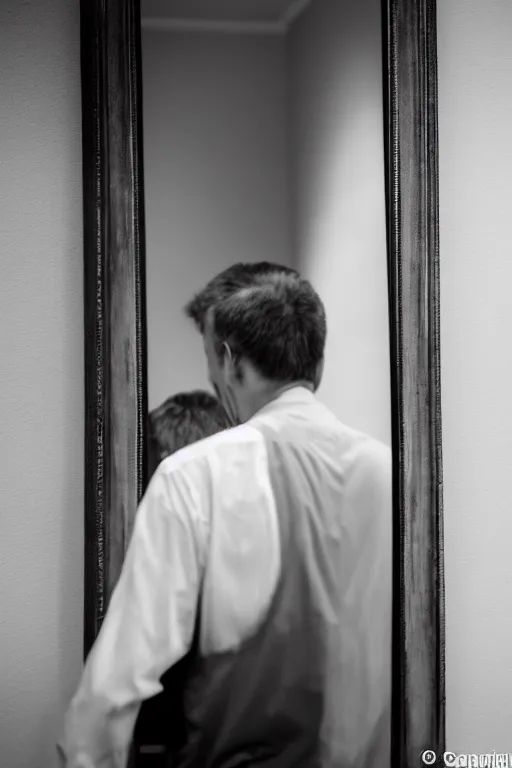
297	395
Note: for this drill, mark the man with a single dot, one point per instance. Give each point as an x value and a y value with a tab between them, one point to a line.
266	551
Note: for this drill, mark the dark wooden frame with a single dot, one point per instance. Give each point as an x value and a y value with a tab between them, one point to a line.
114	300
115	344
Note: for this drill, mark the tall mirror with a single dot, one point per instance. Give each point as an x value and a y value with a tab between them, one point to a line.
263	131
301	134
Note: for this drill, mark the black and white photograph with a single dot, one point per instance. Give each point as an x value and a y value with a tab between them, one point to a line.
255	424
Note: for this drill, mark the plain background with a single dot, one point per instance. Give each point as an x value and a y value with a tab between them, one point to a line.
41	388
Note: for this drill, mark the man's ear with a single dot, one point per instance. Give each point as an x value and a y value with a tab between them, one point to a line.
232	365
227	355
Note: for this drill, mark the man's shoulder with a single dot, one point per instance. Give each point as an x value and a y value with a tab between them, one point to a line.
363	450
374	450
371	459
199	456
213	467
352	442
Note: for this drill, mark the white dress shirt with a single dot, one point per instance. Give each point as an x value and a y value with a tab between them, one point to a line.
207	534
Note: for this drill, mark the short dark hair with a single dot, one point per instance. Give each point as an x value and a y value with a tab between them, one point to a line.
185	418
279	326
227	283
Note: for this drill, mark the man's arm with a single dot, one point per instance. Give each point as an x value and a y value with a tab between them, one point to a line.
148	627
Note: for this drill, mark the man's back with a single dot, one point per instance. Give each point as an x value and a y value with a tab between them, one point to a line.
293	656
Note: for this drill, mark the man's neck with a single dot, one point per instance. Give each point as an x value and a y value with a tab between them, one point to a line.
270	392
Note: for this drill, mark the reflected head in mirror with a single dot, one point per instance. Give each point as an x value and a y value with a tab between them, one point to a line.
264	330
181	420
228	282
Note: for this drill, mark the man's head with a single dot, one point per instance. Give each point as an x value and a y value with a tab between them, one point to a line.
227	283
181	420
262	336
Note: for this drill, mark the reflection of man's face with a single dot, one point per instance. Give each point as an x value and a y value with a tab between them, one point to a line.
214	367
217	374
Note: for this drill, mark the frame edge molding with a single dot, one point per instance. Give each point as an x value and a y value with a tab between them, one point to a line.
414	286
114	293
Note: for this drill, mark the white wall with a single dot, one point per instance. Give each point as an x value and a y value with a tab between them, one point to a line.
41	376
336	123
475	111
216	180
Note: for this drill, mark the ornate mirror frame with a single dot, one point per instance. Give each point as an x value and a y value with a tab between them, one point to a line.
115	340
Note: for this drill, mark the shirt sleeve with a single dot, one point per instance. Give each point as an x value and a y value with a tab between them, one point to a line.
148	627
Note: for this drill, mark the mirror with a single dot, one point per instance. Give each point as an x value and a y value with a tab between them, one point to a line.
264	140
301	133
